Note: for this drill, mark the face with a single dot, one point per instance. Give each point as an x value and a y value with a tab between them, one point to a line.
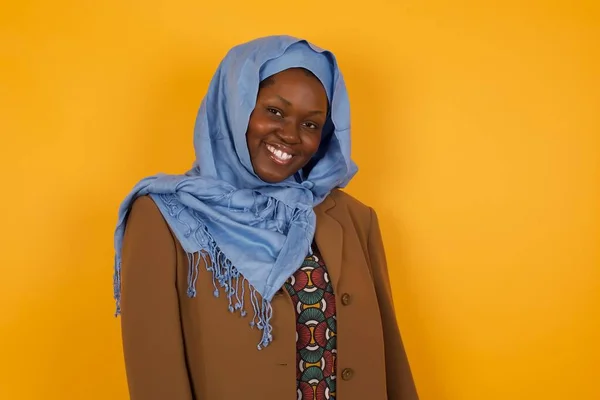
285	128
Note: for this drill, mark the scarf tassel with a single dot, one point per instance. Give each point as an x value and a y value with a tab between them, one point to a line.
227	278
224	276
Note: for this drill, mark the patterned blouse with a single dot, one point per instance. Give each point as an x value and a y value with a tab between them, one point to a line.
314	301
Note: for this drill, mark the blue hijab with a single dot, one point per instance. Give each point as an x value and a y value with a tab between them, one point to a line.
249	233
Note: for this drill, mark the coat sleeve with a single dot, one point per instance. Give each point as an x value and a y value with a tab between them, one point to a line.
150	318
400	384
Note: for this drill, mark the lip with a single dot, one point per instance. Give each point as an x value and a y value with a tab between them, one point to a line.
281	147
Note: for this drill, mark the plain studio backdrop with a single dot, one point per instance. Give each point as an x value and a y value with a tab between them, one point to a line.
476	125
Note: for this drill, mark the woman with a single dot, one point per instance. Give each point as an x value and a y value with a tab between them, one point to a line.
260	228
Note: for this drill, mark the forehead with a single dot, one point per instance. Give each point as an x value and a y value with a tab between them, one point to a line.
293	79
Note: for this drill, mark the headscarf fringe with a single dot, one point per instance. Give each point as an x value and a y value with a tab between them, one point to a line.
224	275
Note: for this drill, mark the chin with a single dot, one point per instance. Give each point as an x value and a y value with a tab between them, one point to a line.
271	178
271	173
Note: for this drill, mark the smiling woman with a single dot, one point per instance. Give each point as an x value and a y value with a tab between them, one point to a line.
286	125
261	221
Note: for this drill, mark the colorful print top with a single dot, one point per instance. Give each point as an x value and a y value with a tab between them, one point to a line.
314	301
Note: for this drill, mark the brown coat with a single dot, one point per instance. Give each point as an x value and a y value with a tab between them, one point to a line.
180	348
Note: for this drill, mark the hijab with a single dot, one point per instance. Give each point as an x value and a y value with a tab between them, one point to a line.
249	233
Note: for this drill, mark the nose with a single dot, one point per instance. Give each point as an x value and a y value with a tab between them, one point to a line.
288	133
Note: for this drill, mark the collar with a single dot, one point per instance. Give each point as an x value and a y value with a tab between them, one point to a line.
329	237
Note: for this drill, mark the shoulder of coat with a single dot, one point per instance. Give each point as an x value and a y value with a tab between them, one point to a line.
345	199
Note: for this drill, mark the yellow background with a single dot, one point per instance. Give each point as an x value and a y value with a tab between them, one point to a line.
476	127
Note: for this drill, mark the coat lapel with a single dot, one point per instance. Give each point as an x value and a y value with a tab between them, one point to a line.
329	239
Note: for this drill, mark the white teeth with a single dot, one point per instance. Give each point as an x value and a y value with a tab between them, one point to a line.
283	156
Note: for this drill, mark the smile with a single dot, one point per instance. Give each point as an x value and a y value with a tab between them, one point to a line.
280	157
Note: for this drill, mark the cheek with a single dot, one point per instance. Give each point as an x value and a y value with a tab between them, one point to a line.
259	127
312	143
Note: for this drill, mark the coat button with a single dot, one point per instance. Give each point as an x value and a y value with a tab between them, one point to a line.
346	299
347	374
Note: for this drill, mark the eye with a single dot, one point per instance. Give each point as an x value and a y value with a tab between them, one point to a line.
274	111
311	125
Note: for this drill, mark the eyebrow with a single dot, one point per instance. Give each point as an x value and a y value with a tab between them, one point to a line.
286	101
289	103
